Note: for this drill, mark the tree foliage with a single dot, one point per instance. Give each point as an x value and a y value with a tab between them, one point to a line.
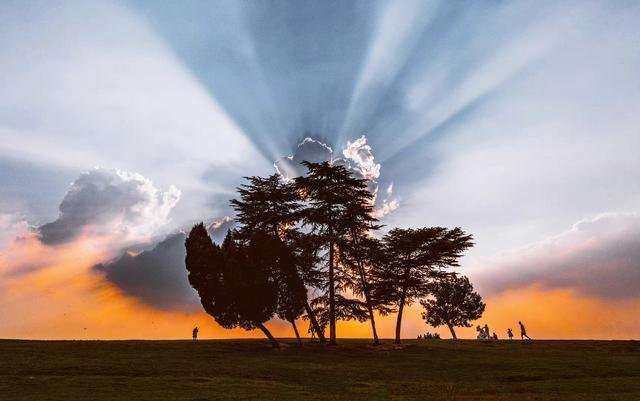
336	205
317	235
453	303
225	276
414	258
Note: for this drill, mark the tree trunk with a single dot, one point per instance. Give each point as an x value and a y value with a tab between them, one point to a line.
367	298
401	307
295	330
376	341
332	295
399	320
267	333
314	321
453	333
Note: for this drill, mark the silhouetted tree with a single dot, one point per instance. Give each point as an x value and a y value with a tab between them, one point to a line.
335	203
224	276
414	257
453	303
272	205
364	257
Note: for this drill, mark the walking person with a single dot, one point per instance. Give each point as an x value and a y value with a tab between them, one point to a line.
195	333
523	331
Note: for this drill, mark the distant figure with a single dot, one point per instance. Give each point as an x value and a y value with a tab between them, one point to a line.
510	333
482	335
195	333
523	332
486	331
495	336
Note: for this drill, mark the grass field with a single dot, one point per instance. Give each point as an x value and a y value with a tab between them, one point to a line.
248	369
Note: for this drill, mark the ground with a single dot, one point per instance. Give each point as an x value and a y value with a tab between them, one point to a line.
248	369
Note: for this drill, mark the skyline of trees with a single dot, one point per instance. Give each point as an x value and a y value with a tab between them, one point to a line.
307	248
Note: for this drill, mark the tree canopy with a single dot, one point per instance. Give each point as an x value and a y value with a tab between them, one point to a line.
453	303
307	248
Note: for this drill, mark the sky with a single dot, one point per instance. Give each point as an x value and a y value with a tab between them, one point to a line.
123	123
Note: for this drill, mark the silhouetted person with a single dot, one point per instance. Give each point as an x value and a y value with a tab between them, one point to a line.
195	333
486	331
523	332
510	333
495	336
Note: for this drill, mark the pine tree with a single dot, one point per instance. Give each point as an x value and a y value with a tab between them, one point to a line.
337	203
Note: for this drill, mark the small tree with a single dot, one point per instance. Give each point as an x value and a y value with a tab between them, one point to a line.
453	303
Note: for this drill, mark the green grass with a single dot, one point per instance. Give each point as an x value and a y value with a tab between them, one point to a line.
248	369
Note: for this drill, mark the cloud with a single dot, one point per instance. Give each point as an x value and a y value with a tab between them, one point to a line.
11	227
358	158
598	257
110	201
157	276
308	150
360	153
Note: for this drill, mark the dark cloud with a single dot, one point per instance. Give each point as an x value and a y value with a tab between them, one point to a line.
157	276
598	257
308	150
112	200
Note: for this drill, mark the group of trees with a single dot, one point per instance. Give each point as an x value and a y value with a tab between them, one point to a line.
307	249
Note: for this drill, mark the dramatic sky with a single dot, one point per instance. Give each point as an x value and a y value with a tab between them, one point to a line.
124	122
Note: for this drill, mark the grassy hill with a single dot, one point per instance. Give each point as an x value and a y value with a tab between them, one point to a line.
248	369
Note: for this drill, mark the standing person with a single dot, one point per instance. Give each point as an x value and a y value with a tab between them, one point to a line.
523	331
510	333
195	333
486	331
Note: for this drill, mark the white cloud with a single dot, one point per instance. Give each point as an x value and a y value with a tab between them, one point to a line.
111	201
358	158
92	83
360	153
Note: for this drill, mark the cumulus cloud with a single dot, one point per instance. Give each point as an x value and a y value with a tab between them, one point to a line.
598	256
360	153
357	157
110	201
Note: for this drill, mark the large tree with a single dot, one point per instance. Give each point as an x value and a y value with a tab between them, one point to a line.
225	276
415	257
272	205
452	303
336	203
364	258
